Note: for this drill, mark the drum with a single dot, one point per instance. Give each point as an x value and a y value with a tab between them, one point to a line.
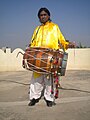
62	67
44	60
38	59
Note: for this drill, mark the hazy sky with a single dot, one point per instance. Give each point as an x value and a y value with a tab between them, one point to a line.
18	19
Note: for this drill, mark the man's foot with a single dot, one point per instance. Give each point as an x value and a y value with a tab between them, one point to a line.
33	102
49	103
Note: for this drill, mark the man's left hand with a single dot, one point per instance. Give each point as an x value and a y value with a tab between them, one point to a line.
71	45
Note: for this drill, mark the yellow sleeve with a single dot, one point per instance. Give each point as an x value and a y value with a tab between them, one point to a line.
33	39
62	39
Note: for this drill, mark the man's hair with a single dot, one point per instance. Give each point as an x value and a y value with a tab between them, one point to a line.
43	9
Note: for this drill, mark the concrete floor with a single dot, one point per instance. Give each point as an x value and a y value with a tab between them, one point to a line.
73	102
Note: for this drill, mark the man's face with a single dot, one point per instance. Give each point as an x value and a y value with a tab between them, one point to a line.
44	17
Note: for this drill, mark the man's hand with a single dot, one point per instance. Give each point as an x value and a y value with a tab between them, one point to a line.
71	45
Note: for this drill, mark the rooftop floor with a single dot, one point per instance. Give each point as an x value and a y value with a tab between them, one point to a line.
73	102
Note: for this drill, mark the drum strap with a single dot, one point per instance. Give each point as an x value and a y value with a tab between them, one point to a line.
61	45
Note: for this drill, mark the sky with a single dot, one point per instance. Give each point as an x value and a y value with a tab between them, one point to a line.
18	19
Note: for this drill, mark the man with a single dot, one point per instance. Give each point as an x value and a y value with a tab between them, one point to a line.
46	35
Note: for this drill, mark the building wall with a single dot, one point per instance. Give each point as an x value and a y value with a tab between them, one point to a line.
78	59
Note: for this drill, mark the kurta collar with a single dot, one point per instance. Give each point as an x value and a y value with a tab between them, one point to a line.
45	23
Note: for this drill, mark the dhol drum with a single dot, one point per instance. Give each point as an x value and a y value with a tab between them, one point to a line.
44	60
62	68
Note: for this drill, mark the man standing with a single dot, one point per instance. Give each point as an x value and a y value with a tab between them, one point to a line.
47	35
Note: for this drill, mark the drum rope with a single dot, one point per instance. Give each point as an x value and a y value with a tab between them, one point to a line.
38	68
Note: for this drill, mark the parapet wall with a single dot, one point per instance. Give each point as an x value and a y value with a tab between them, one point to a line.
78	59
9	60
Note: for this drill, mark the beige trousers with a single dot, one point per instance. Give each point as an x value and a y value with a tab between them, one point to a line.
37	85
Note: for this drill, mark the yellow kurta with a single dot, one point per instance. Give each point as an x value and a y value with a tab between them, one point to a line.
47	35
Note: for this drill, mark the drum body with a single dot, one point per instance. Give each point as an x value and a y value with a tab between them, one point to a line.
38	59
44	60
